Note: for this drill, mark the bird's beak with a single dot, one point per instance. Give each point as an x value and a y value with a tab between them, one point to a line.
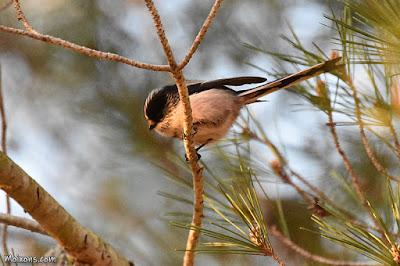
152	126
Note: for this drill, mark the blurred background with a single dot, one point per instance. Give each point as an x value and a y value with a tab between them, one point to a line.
76	125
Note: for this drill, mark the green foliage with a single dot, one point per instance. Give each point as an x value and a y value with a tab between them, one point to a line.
362	239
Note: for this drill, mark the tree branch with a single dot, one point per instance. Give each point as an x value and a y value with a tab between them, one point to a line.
78	241
21	222
197	171
201	34
322	92
395	139
293	246
21	16
3	147
364	139
84	50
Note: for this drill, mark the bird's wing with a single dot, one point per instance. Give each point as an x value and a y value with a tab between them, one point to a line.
198	86
238	81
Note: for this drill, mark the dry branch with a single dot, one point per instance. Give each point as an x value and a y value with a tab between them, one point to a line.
22	17
304	253
197	171
22	222
78	241
4	149
84	50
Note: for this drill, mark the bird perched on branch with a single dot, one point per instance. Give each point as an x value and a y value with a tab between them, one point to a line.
215	107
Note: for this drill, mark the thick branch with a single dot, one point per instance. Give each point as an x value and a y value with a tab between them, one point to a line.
78	241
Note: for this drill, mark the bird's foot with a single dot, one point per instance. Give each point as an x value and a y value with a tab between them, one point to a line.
184	135
198	156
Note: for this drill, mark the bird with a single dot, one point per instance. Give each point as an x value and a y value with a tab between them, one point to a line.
215	106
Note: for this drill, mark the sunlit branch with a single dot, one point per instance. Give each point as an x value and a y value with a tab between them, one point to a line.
197	171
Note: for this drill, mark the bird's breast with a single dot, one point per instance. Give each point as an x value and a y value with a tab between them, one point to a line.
214	111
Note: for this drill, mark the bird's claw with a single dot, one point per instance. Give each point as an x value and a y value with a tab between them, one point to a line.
198	157
184	135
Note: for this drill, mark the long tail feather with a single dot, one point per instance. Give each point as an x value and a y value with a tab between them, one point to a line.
251	96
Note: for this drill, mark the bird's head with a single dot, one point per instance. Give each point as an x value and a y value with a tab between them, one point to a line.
159	103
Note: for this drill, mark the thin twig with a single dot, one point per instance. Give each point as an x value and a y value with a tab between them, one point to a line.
279	165
278	169
84	50
277	259
6	5
197	171
364	139
395	139
21	222
3	119
265	140
319	192
352	173
201	34
293	246
3	146
22	17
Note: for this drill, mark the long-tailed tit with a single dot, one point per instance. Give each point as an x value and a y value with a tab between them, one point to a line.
215	107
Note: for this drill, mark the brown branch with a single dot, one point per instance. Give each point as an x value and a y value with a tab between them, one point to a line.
5	226
3	119
3	147
6	5
293	246
281	163
266	141
278	170
396	140
352	173
23	223
84	50
21	16
364	139
346	161
197	171
81	243
277	259
201	34
319	192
